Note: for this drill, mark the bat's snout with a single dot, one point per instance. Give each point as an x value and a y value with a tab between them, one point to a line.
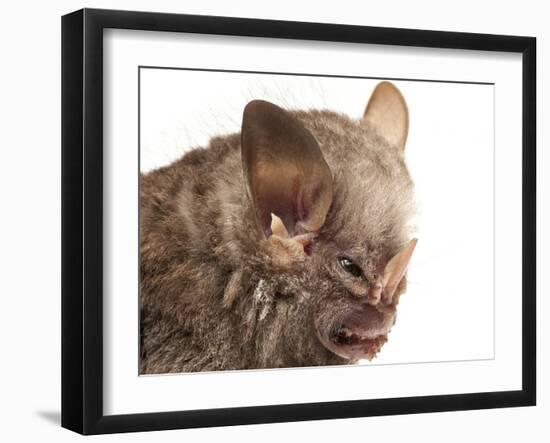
360	333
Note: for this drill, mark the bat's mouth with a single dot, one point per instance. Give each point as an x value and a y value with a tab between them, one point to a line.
353	345
343	336
359	334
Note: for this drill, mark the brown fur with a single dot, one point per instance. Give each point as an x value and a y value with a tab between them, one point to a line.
216	295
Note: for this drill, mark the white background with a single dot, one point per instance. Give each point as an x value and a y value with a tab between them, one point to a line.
30	187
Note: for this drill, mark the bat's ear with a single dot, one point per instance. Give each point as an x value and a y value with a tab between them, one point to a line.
387	112
395	270
285	172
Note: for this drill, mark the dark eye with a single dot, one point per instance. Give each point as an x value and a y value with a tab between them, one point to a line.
350	267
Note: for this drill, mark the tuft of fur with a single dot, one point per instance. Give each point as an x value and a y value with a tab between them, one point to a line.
213	297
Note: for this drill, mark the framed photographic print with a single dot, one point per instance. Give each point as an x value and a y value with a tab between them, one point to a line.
270	221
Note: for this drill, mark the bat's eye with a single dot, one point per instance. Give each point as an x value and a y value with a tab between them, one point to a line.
350	267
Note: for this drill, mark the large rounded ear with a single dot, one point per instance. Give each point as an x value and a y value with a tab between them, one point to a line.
387	112
284	170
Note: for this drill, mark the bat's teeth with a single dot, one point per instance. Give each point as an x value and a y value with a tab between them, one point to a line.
343	335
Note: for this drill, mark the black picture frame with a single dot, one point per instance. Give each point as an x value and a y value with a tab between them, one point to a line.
82	220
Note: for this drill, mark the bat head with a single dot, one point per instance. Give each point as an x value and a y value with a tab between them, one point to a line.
331	200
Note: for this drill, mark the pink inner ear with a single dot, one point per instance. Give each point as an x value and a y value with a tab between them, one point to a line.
279	230
278	227
395	270
285	171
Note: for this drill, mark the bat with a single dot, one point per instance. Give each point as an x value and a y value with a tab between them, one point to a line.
284	245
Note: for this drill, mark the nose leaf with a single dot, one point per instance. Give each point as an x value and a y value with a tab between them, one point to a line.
395	271
374	294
